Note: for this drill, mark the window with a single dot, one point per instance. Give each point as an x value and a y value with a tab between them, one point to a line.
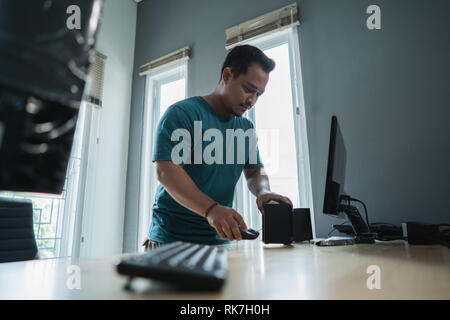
163	88
279	118
171	92
276	127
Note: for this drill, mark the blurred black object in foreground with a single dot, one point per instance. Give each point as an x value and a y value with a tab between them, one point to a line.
44	62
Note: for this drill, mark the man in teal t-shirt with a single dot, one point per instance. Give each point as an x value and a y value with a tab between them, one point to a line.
202	146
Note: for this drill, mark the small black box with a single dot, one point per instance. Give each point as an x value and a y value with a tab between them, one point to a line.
301	224
282	224
422	233
277	223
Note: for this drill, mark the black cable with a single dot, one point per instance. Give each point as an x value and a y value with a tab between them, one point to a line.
365	210
383	223
387	231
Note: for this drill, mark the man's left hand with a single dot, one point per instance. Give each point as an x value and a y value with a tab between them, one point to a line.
271	197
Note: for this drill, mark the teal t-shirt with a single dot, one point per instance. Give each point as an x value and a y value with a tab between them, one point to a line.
214	151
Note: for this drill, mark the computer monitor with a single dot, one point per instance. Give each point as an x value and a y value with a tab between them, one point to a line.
44	63
336	201
335	181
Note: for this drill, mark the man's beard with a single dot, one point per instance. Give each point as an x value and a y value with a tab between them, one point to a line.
240	115
237	115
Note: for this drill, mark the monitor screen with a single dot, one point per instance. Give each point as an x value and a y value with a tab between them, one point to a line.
337	156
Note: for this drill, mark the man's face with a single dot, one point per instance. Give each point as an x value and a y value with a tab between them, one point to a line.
241	93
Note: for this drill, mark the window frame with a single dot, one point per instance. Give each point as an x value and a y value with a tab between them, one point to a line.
152	100
246	202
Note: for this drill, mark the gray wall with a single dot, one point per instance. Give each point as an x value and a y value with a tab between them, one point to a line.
104	201
388	87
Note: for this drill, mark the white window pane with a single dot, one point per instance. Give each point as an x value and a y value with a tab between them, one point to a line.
170	93
77	139
169	87
275	126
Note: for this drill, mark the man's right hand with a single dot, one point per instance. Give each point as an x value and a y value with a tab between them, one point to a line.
226	220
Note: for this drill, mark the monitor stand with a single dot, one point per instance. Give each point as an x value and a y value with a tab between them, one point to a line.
360	228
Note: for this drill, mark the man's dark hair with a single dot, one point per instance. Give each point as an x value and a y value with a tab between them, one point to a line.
240	57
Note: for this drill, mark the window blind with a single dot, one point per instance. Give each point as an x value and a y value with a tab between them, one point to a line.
271	22
96	74
171	58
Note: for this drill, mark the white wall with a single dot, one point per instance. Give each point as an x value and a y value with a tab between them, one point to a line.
104	207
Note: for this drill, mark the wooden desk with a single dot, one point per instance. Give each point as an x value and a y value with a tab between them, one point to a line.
256	271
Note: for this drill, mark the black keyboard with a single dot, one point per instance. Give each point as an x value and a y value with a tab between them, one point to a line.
183	264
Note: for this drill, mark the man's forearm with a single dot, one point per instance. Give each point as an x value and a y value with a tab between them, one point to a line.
181	187
258	183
